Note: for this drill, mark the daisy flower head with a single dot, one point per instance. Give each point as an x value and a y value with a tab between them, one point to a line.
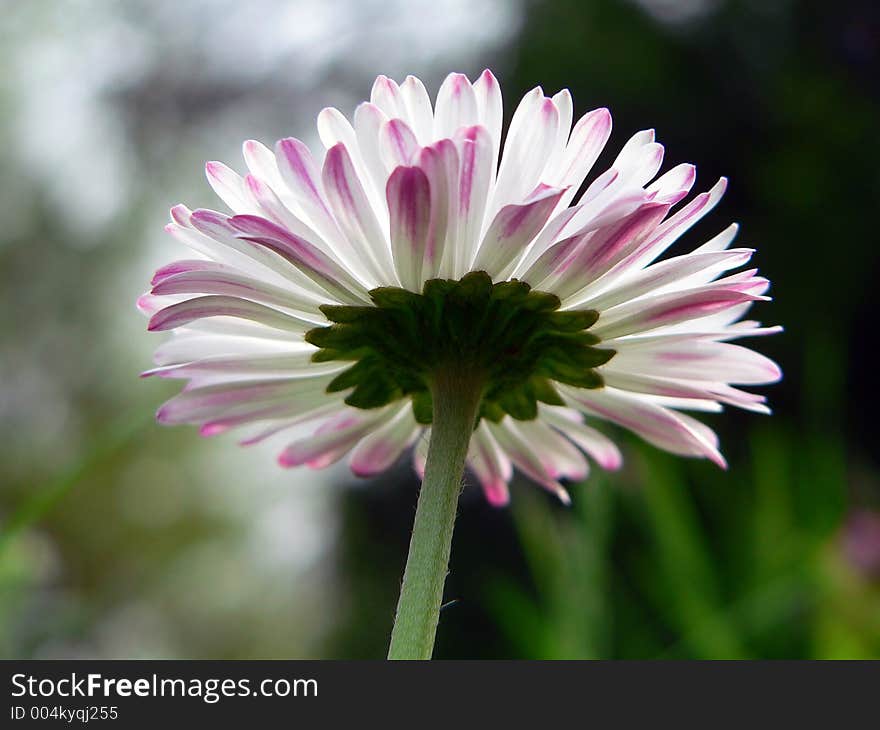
346	295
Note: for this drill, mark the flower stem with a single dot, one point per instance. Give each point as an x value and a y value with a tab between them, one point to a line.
456	397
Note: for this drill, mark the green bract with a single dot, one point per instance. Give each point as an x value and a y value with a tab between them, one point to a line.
511	333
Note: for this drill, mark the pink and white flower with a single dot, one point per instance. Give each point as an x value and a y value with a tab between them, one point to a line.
406	192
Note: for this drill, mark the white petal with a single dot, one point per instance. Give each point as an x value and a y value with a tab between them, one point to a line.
440	164
512	230
471	193
354	213
490	464
397	144
386	95
689	358
674	227
568	266
368	121
420	452
587	140
213	232
570	424
409	204
182	313
666	429
229	283
229	187
302	177
335	437
270	206
185	348
560	459
456	106
248	366
721	241
666	310
311	261
523	456
672	274
529	142
674	185
260	160
563	103
418	108
245	400
489	107
334	128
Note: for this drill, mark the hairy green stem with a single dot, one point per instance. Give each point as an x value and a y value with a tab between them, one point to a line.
455	394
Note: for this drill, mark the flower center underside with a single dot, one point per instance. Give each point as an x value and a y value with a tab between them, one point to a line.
513	335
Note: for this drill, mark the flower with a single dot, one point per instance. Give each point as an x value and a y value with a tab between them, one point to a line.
314	312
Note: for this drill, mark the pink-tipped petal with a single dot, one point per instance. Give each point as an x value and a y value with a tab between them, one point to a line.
378	451
440	164
523	456
456	106
386	95
229	187
665	310
668	430
312	262
182	313
528	145
245	400
491	466
409	206
587	140
563	268
353	211
675	274
512	230
471	196
489	108
570	424
334	438
397	143
228	283
674	185
180	267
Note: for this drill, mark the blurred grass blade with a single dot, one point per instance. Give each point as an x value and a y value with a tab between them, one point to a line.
688	576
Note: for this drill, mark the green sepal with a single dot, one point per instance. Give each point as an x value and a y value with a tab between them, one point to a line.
513	291
373	393
338	337
582	358
356	374
518	403
570	374
435	290
514	335
539	301
490	410
543	390
473	290
392	297
347	314
328	355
